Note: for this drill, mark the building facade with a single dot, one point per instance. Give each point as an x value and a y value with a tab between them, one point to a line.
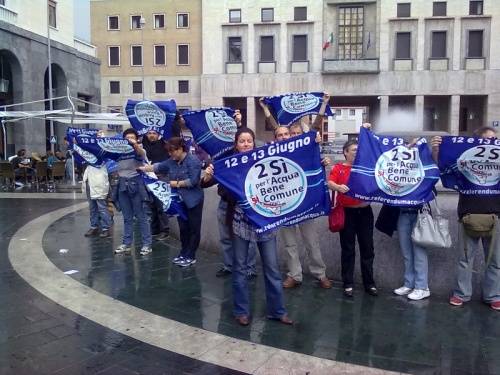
24	29
434	59
149	49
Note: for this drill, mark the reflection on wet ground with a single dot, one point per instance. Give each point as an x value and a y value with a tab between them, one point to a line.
385	332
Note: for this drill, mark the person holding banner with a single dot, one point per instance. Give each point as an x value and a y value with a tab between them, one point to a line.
474	172
308	233
244	233
133	197
358	224
183	170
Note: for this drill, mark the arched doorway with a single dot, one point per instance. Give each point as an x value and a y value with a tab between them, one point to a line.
11	88
59	83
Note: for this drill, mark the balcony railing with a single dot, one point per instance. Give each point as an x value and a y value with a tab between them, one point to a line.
8	15
334	66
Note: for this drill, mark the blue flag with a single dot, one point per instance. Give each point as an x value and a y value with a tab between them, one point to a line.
152	115
213	129
81	157
278	184
289	108
98	150
470	165
172	202
386	171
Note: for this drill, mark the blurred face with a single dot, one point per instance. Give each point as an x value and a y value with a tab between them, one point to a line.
244	142
237	116
131	137
350	153
176	153
295	131
181	121
488	134
281	133
152	136
100	134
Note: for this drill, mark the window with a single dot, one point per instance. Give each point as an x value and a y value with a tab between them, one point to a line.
234	15
299	48
159	20
338	113
160	87
183	87
135	22
300	14
52	13
182	20
2	2
114	87
114	56
267	14
350	35
266	49
136	55
113	23
160	55
475	43
439	9
183	54
352	112
136	87
403	44
234	52
113	109
404	10
476	7
438	47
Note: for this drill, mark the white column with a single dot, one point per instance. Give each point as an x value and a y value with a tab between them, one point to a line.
419	111
454	121
251	51
251	118
457	40
420	57
384	106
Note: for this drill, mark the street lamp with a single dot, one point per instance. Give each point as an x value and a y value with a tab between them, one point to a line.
142	22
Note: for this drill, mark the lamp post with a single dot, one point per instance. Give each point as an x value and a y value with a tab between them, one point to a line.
52	145
142	22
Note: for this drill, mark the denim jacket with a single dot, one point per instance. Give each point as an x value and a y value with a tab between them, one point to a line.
188	171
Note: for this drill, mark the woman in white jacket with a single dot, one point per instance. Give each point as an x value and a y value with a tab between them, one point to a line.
96	185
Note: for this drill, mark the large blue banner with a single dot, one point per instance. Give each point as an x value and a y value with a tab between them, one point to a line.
387	171
172	202
213	129
98	150
278	184
80	156
152	115
470	165
289	108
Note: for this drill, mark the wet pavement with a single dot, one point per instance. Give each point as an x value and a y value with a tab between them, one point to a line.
38	336
385	332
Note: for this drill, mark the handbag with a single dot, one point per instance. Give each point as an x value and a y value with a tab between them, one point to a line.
479	225
431	229
336	217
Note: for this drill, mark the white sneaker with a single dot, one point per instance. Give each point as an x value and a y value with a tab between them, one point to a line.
123	249
419	294
145	250
403	291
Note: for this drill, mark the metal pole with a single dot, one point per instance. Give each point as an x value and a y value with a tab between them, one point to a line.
52	145
73	180
4	131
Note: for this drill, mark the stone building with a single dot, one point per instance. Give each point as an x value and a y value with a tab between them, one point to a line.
24	29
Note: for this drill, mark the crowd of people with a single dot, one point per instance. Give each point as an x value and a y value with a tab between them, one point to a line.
172	161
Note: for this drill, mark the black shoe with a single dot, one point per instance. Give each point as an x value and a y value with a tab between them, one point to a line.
162	236
223	272
92	232
349	292
372	291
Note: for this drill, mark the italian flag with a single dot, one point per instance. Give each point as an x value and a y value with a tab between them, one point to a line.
329	42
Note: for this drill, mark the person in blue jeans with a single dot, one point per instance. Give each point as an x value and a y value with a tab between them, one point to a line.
243	234
133	198
183	170
96	183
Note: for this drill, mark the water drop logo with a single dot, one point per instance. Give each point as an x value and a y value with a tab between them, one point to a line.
299	103
221	125
275	186
87	156
481	165
117	146
149	114
399	171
